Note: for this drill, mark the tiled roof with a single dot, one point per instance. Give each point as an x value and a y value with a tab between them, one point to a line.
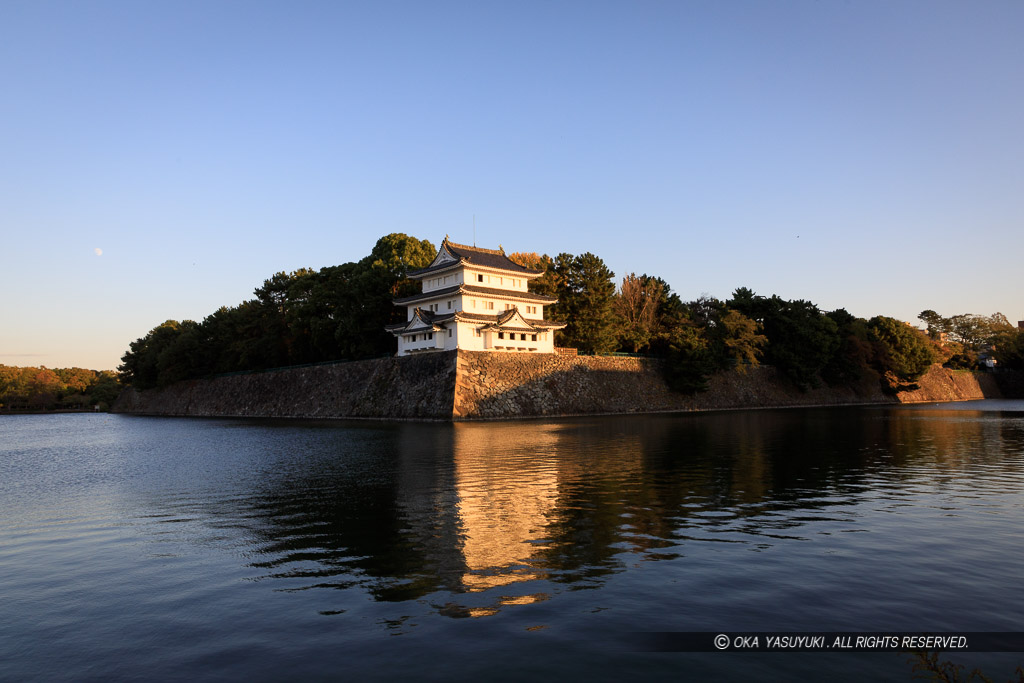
498	319
511	294
479	291
431	319
428	317
476	256
429	295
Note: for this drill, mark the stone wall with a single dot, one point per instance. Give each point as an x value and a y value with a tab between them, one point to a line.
493	385
414	387
470	385
943	384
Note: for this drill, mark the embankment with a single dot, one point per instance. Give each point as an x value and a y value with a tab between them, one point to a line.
463	385
386	388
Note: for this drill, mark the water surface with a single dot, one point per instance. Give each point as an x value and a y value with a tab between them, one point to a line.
181	548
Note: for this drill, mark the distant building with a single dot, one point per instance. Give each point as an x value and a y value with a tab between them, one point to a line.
474	299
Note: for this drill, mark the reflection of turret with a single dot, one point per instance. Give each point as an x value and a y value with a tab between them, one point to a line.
506	478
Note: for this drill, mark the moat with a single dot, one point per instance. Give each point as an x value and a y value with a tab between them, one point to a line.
174	548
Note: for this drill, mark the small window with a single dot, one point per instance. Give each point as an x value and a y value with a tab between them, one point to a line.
490	305
449	332
449	305
501	335
479	278
430	335
472	303
414	337
533	337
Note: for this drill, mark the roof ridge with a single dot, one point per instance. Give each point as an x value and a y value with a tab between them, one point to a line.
499	252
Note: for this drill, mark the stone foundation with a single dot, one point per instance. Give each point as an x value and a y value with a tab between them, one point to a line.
467	385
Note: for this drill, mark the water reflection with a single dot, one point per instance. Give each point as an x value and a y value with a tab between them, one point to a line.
507	485
471	519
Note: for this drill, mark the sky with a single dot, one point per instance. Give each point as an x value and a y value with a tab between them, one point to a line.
159	160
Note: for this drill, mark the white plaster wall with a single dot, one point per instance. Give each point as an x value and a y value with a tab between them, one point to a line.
440	281
406	346
464	336
515	283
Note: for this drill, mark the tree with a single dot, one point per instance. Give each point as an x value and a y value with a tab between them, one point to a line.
105	389
936	324
852	361
1008	349
743	340
75	380
636	309
688	364
43	386
671	316
801	339
140	365
904	352
377	280
585	295
547	284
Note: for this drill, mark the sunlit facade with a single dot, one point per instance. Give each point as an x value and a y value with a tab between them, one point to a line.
474	299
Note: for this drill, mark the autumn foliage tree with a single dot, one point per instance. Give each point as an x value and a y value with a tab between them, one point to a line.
636	309
41	388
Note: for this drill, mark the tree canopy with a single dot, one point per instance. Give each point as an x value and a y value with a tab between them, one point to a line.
306	316
340	312
42	388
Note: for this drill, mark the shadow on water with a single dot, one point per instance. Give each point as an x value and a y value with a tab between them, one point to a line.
476	517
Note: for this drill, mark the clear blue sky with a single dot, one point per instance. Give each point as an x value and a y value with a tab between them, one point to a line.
866	155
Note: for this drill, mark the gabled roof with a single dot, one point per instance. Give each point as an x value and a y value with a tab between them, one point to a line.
420	320
511	319
451	254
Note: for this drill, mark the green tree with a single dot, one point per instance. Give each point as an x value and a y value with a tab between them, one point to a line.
801	339
104	390
140	365
852	361
688	363
1008	349
586	292
904	352
937	325
75	380
182	358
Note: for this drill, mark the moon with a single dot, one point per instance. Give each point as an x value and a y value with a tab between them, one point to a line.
99	252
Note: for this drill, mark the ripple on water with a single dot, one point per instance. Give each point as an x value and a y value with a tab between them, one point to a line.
290	548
